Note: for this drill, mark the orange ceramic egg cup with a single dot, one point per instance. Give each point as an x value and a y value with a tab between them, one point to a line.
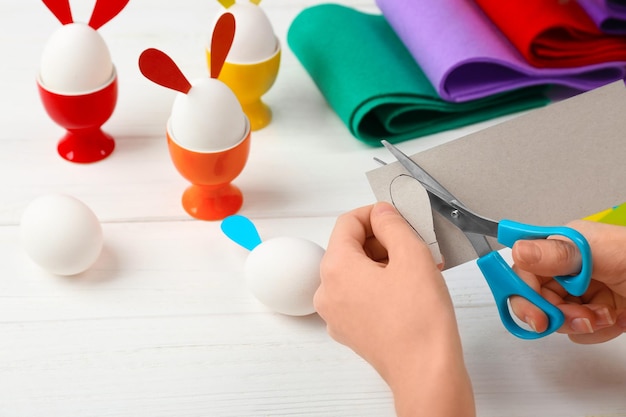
249	82
82	115
211	195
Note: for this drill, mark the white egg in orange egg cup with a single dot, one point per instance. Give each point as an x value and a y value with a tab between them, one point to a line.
208	134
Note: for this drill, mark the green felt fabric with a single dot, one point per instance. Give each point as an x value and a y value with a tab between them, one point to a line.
375	86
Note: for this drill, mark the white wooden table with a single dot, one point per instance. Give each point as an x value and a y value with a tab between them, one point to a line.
163	325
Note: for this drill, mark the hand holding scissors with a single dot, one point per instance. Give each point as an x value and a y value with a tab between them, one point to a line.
502	280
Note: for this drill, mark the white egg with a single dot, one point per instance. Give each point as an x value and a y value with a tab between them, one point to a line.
75	60
284	273
254	36
208	118
61	234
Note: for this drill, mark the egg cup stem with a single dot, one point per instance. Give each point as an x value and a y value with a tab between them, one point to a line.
82	116
85	145
250	82
212	202
259	113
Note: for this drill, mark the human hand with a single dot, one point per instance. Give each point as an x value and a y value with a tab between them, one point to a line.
382	295
598	315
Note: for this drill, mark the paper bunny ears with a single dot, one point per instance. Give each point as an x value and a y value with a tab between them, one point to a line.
103	11
161	69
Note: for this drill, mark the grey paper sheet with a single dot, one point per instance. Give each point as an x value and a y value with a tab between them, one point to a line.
547	167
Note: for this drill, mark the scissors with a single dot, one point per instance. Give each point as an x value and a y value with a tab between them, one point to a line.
502	280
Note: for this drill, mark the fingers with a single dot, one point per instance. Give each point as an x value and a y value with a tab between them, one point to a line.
395	234
536	259
353	234
607	247
593	317
590	313
586	318
527	311
547	257
351	231
600	336
580	319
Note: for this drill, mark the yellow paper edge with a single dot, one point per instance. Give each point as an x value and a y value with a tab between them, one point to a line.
615	215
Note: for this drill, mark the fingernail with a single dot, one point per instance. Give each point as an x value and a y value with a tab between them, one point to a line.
384	208
528	252
531	323
582	325
603	317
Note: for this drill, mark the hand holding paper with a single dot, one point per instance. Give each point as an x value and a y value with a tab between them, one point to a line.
550	166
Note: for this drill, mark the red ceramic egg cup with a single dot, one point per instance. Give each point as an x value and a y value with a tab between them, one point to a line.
82	115
211	195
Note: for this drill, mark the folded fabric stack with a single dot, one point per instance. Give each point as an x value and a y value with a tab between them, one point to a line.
422	67
608	15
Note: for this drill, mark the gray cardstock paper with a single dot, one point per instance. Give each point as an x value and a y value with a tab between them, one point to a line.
552	165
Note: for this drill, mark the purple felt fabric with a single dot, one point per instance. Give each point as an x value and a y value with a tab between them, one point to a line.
610	17
466	57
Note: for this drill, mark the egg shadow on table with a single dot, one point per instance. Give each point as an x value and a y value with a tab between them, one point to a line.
105	269
310	321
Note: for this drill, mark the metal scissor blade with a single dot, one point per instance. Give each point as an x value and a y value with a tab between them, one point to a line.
444	202
417	172
474	227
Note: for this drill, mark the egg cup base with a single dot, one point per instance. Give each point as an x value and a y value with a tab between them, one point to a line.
211	202
85	145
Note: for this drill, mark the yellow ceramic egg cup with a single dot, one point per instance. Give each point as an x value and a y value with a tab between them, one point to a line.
249	82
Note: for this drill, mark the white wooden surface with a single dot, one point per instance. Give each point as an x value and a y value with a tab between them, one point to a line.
163	325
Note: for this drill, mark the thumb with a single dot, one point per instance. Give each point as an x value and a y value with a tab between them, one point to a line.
547	257
395	233
607	243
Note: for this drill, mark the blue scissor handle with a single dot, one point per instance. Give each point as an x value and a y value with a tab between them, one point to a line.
505	283
510	232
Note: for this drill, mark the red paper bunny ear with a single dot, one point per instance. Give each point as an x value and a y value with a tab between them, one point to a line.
104	11
221	41
158	67
61	9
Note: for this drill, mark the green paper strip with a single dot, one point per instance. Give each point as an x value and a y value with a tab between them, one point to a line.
375	86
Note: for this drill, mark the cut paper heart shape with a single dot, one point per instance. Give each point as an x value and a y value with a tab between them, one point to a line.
412	202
